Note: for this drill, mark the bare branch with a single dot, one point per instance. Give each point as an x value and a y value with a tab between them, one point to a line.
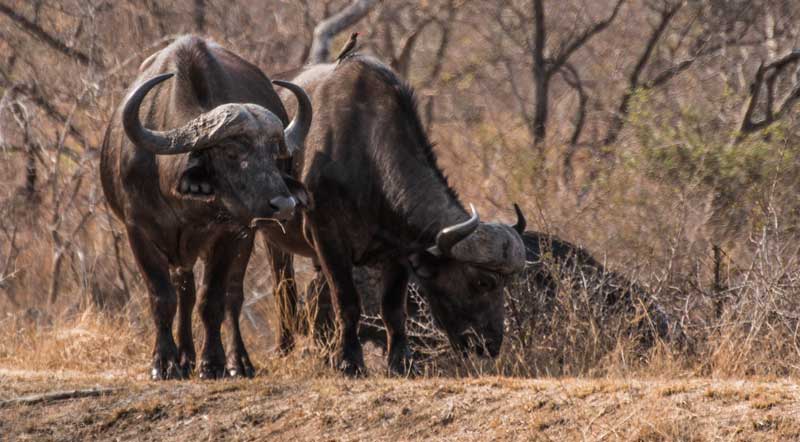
570	47
402	62
329	28
618	120
571	76
56	396
45	37
545	67
766	75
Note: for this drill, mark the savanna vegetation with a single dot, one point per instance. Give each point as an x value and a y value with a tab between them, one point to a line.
658	135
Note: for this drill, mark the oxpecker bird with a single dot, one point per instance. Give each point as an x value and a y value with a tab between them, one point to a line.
349	46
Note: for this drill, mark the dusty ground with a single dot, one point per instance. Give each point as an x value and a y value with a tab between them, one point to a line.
331	408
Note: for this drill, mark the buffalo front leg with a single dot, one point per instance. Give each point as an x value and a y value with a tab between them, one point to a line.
154	266
238	361
393	312
285	293
218	263
183	281
334	258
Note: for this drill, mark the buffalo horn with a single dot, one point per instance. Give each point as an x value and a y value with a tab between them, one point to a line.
295	134
451	235
521	223
200	133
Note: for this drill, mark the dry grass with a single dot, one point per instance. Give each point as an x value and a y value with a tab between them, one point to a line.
73	310
325	407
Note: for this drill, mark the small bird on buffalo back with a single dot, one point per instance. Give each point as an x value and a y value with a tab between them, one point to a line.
349	46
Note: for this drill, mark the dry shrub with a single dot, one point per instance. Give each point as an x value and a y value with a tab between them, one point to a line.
72	297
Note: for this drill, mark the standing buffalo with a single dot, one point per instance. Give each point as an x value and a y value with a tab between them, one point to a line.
382	201
189	182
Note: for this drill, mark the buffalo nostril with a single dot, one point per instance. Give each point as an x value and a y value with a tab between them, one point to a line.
283	206
281	203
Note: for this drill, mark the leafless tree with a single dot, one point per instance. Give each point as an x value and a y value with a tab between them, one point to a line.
546	57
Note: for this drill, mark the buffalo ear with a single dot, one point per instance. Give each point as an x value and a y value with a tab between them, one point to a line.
422	264
196	178
299	192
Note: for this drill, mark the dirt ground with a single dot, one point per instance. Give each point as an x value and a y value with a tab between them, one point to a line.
384	409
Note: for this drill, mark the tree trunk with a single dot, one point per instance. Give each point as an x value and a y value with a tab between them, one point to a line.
541	78
200	16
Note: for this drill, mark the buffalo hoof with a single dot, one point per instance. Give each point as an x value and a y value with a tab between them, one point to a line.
351	364
241	368
165	369
211	371
401	363
352	369
186	365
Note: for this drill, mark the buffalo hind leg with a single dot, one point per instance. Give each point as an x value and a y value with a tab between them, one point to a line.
338	269
285	294
238	361
393	312
154	265
213	291
183	281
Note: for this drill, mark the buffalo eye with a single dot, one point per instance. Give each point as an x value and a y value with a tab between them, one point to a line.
486	283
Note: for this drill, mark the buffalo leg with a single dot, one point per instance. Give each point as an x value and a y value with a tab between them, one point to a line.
336	265
212	305
154	265
183	281
393	312
285	293
238	361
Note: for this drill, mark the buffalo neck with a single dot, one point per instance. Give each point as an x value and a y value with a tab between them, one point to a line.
416	190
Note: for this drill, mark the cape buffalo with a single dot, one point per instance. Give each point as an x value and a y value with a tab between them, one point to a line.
192	184
382	201
551	263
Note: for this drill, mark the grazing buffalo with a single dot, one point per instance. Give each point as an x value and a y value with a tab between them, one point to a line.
190	180
551	263
382	201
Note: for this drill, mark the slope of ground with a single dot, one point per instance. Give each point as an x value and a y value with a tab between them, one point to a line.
377	408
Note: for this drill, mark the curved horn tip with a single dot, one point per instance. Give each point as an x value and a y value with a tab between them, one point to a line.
299	127
130	111
151	83
521	222
449	236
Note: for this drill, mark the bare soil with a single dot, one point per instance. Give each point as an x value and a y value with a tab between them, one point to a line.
385	409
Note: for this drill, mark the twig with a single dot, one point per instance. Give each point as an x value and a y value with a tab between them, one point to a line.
57	396
47	38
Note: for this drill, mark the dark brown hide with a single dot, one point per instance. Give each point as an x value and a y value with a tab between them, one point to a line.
382	201
217	127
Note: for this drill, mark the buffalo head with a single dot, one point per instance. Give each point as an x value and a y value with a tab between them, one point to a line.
463	277
232	154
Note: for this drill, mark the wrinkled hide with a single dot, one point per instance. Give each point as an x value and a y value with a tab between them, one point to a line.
190	160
